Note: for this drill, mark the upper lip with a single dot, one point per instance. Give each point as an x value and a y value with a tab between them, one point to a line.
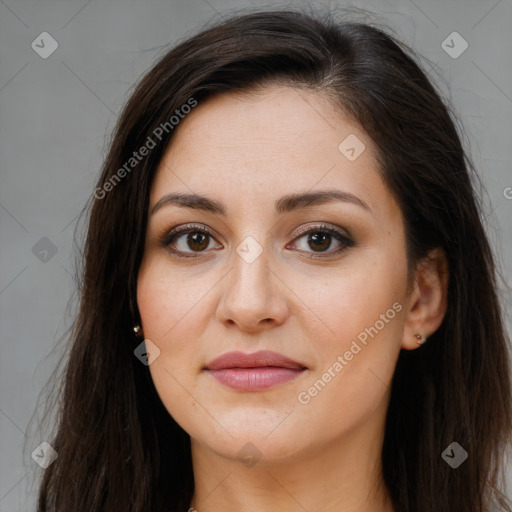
263	358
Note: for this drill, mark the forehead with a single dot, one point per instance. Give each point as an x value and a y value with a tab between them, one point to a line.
252	147
277	122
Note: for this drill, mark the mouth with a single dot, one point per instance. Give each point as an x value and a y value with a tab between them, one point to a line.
254	372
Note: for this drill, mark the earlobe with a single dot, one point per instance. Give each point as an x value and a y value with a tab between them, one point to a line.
428	300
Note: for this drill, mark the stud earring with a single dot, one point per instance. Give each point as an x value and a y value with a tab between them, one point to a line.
137	329
421	339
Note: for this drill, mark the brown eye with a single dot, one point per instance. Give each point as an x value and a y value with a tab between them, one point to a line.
319	241
186	240
197	241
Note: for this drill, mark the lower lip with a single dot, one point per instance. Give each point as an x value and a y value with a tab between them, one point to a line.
254	379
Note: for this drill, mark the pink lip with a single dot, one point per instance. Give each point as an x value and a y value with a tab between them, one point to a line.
254	372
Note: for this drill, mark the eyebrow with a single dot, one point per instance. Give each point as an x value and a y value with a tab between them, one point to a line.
286	204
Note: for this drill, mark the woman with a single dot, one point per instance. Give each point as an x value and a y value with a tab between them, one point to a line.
288	299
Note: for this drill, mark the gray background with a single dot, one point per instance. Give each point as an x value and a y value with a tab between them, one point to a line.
55	114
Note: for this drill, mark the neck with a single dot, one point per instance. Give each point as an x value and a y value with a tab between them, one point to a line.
343	476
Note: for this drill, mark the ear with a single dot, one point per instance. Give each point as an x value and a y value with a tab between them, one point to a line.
428	299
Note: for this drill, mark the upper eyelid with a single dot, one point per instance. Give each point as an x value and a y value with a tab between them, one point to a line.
184	229
324	226
204	227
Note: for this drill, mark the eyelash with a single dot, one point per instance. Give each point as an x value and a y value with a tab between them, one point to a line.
169	237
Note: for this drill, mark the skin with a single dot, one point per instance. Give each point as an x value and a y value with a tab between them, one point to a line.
247	151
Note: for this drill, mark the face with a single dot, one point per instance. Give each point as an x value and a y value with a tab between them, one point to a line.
294	245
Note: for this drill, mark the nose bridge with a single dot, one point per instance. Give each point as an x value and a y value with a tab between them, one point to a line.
250	281
251	254
249	294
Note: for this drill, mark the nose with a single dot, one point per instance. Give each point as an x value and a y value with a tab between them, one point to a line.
253	298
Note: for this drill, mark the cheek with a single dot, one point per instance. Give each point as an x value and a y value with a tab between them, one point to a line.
352	298
173	309
362	306
170	300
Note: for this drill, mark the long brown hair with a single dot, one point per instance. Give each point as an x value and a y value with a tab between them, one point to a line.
118	448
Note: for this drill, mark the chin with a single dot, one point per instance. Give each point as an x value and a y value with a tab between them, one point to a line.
258	449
